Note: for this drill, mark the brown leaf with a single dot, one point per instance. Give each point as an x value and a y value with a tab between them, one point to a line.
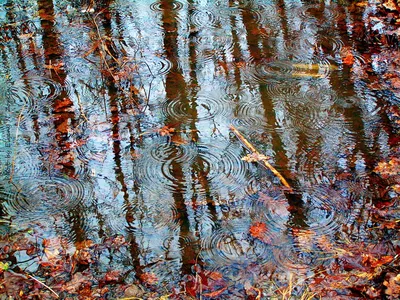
178	140
165	130
112	276
75	285
60	105
393	285
83	244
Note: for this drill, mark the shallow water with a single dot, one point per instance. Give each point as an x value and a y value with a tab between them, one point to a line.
85	98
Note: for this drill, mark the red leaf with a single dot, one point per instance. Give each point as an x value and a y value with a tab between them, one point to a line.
215	293
112	276
149	278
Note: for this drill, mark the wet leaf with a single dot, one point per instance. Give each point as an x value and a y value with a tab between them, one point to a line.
370	260
149	278
304	237
259	231
215	293
62	104
165	131
178	140
390	5
388	168
4	266
215	276
395	82
76	283
51	254
83	244
112	276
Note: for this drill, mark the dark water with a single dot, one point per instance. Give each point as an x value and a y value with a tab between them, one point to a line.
87	90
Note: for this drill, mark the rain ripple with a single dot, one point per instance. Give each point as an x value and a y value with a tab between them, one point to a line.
155	168
37	198
224	246
204	107
204	19
175	6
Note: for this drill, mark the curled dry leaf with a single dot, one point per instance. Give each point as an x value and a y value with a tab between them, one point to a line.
388	168
392	284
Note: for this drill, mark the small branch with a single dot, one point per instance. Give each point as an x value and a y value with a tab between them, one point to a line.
45	285
264	162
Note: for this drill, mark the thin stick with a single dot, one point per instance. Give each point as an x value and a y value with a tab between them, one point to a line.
264	162
45	285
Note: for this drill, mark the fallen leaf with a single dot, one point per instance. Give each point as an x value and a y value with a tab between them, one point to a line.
258	230
149	278
165	130
215	293
392	284
112	276
390	5
389	168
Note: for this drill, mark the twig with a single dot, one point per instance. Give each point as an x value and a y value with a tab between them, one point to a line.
16	144
252	149
45	285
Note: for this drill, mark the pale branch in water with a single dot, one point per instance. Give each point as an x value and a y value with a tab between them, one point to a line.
254	151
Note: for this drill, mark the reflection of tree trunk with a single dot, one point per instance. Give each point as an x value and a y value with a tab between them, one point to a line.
11	20
253	39
64	117
116	137
176	87
237	56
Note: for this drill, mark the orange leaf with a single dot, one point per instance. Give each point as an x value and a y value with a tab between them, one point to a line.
215	276
258	230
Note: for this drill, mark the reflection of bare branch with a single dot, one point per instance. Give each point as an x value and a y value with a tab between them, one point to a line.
16	143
